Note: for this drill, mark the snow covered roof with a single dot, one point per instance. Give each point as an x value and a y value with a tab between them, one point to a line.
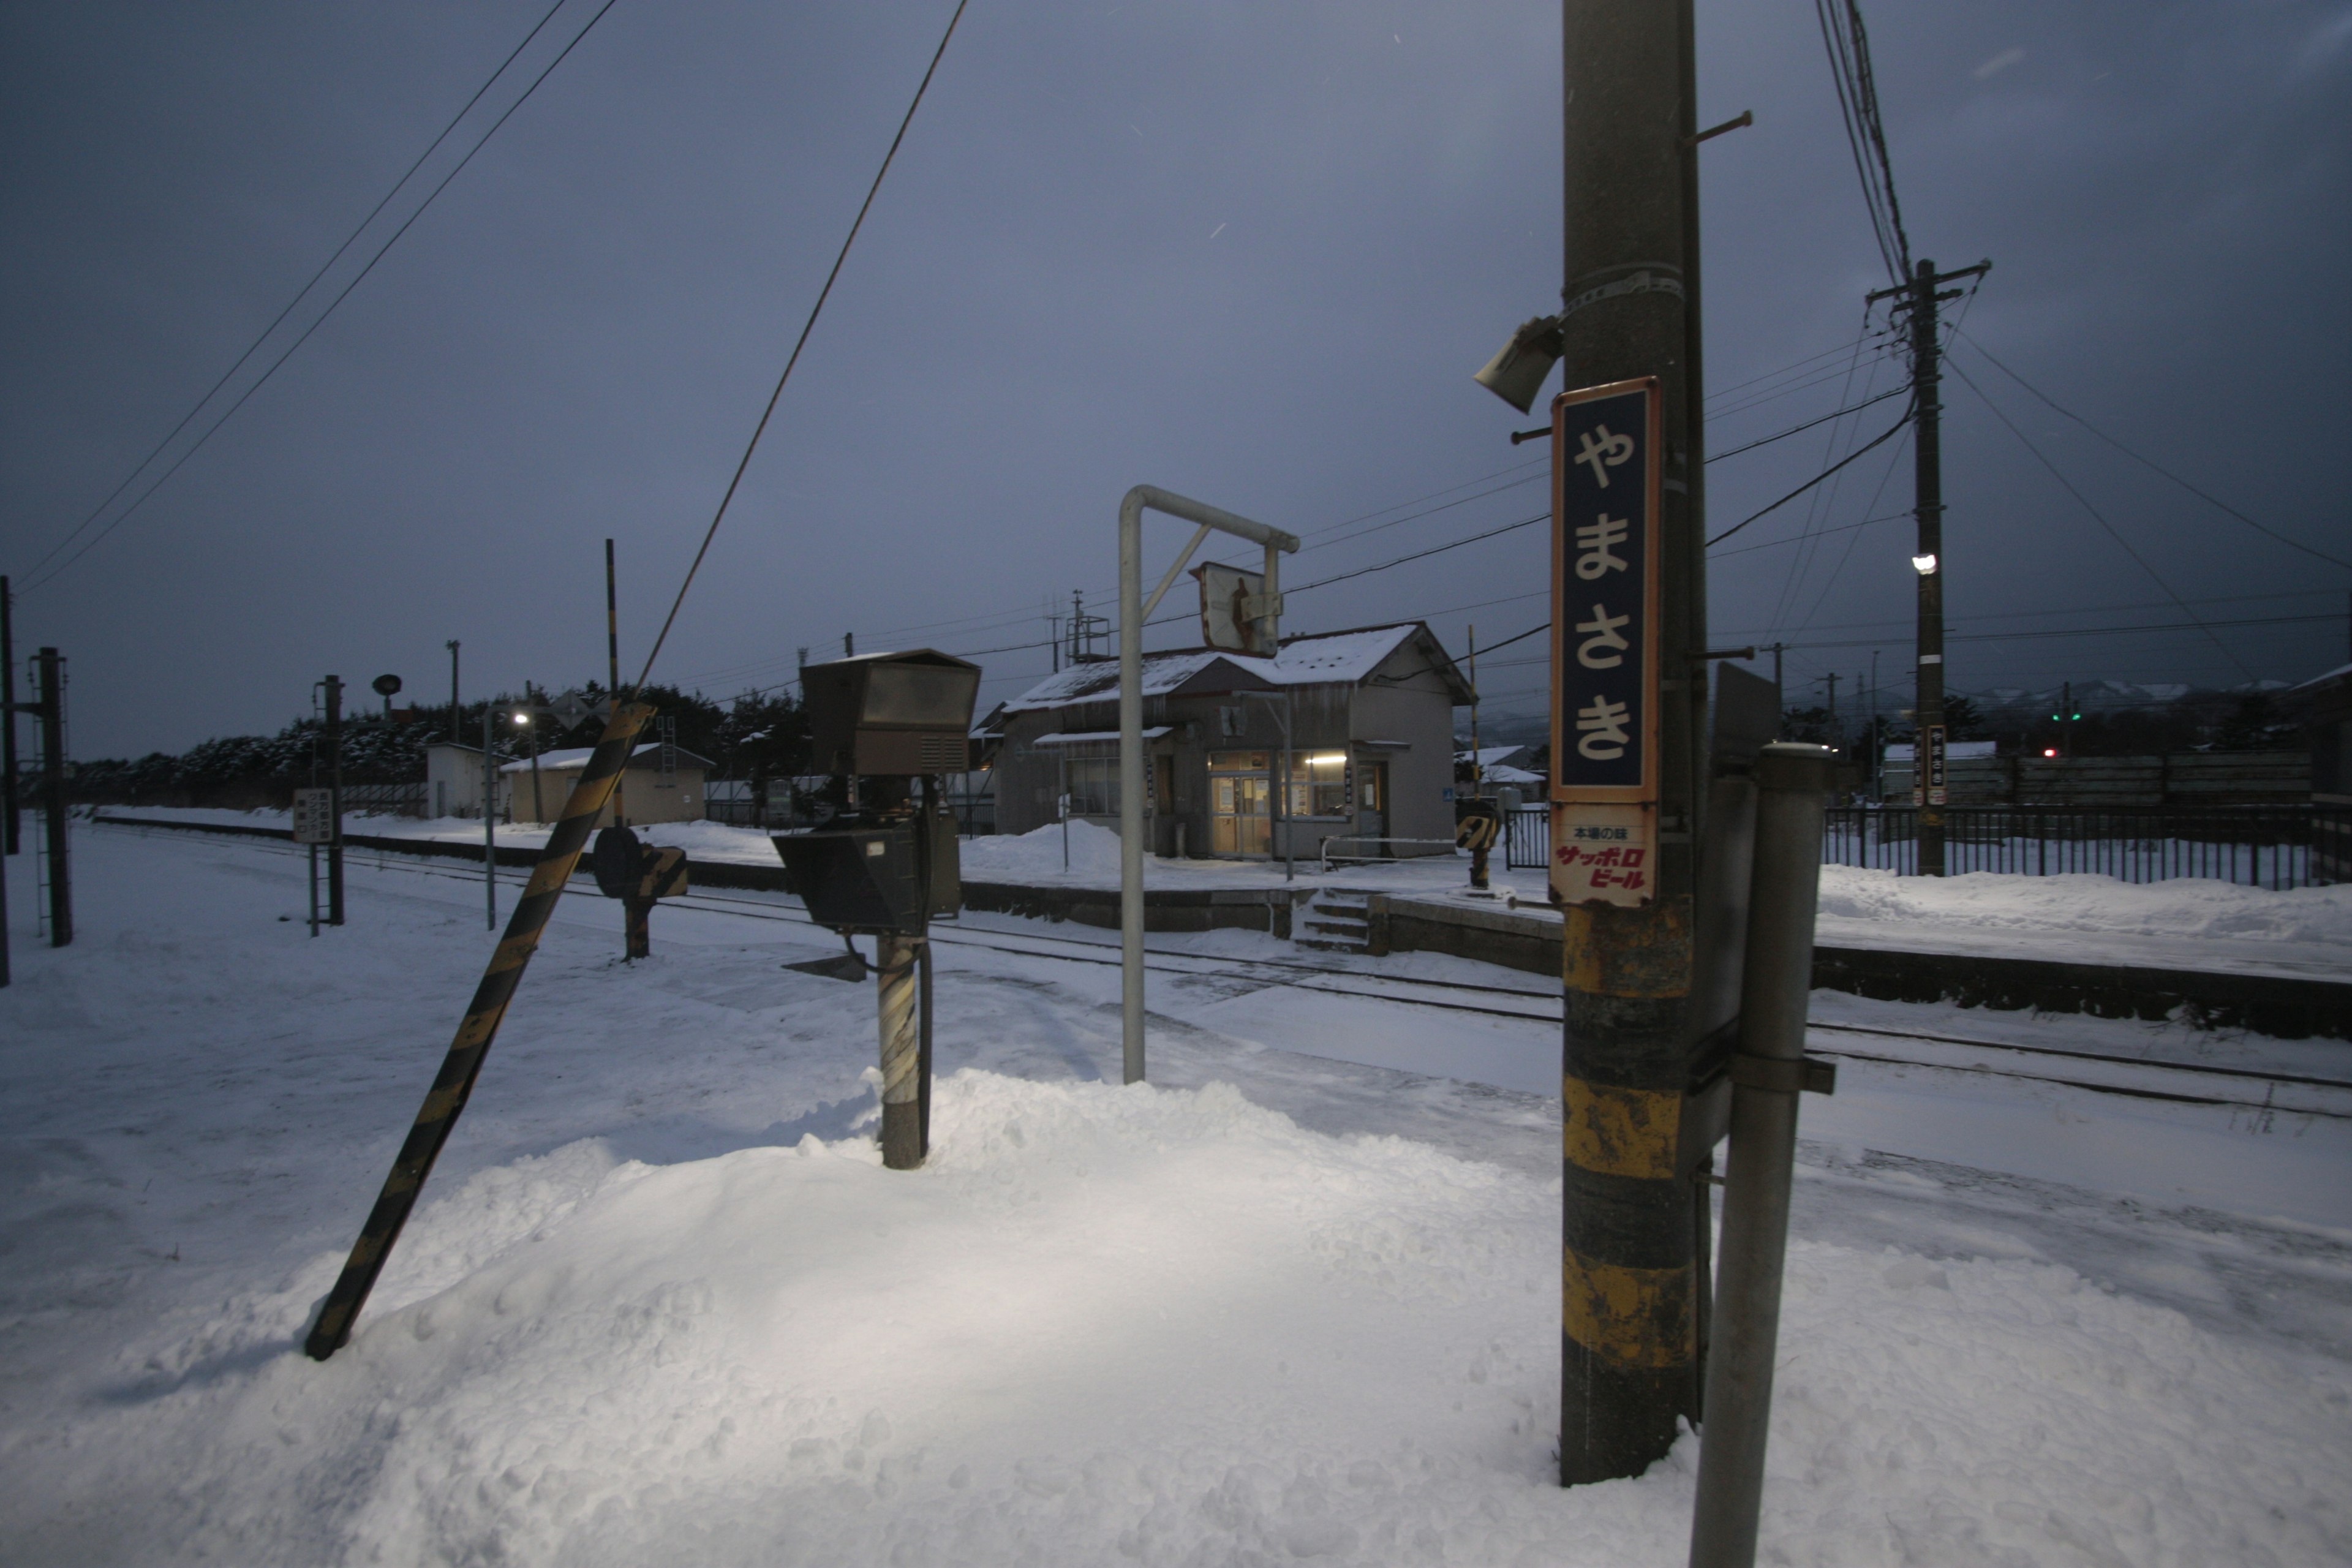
1341	657
1094	737
577	757
1492	757
1503	774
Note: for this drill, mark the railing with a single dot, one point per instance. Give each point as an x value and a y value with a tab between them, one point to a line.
1328	855
1527	839
2262	846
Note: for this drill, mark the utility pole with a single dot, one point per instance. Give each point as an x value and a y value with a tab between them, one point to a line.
613	670
1631	310
453	735
335	798
8	824
1919	295
53	791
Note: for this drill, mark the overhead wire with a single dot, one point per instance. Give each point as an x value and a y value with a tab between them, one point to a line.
2097	515
806	328
299	295
1884	435
262	380
2145	461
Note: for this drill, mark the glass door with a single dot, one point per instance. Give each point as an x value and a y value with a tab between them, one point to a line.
1241	796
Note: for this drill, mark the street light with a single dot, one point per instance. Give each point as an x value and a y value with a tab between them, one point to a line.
1923	565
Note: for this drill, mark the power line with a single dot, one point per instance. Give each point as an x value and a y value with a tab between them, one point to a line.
2150	462
2097	515
807	327
381	251
299	294
1848	43
1881	436
1799	429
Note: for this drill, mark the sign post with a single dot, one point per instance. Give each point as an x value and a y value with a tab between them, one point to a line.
314	823
1604	645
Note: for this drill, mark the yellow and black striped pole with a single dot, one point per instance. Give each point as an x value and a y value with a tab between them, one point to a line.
463	1065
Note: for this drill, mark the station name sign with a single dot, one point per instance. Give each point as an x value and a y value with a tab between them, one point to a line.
1604	642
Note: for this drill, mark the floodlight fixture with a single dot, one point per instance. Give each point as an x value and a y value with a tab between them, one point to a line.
1923	565
1516	373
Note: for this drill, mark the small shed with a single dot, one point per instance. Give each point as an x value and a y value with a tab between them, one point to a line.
661	784
453	779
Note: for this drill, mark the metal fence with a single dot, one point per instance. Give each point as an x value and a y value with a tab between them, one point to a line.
2262	846
384	799
1527	838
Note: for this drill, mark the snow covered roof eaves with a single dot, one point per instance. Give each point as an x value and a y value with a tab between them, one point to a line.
1347	657
577	757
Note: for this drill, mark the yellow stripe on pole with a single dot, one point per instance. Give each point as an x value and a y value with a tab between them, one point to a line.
1632	1317
1622	1131
463	1062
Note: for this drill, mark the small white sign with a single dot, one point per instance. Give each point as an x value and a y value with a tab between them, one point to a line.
314	817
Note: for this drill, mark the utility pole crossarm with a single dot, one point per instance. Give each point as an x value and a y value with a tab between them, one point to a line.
1905	290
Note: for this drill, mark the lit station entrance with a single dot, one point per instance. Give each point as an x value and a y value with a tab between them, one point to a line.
1241	799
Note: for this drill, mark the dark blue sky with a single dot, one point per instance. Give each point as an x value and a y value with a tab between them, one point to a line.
1249	253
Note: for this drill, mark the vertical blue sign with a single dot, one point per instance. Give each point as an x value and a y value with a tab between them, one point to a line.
1604	593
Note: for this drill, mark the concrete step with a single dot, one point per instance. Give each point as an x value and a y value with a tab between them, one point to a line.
1328	945
1360	929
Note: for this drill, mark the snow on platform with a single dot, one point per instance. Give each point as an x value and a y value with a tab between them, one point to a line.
662	1304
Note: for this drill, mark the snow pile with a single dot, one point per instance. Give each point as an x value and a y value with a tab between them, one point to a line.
1036	856
1104	1325
2185	907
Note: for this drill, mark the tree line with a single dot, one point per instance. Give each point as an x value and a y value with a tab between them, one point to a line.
755	735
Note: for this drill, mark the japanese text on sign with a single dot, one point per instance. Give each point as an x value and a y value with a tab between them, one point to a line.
1606	561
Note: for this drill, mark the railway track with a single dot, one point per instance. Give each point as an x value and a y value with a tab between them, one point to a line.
2090	1071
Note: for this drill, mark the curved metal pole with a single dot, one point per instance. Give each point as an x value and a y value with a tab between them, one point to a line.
1130	724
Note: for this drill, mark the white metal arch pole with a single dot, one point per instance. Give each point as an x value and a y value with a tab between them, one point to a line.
1132	609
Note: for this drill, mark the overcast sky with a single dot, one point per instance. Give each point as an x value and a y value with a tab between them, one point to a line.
1251	253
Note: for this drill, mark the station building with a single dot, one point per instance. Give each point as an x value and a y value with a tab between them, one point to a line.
1369	715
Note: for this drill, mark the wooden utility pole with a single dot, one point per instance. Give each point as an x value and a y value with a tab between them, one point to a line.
1629	1333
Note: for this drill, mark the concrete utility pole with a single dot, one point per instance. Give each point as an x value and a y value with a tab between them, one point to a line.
1630	309
1920	297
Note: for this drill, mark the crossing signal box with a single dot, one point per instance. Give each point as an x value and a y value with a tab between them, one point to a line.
872	881
887	726
884	714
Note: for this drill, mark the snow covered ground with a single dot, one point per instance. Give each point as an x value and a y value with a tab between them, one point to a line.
1294	1302
2188	923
